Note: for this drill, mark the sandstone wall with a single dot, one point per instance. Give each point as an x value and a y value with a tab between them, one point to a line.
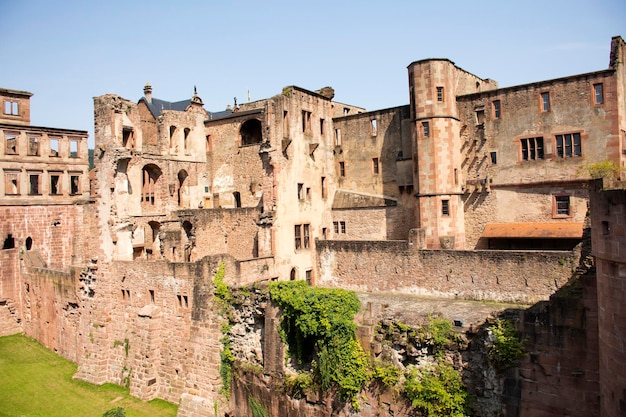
521	277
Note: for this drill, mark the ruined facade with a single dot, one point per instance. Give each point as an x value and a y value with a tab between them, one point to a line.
111	269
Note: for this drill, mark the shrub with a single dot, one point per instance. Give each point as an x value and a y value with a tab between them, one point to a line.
115	412
507	348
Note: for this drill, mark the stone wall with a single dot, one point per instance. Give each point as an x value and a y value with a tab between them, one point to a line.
521	277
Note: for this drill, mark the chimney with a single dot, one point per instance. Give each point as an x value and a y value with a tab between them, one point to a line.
147	92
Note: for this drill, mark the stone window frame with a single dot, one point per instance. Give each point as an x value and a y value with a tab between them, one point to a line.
598	93
11	107
34	145
342	168
426	129
375	166
59	182
54	153
74	179
8	135
496	106
9	175
532	149
544	102
302	236
74	153
306	121
572	141
34	188
445	207
374	127
440	94
561	206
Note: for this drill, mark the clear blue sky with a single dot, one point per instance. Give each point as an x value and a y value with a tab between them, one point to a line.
67	52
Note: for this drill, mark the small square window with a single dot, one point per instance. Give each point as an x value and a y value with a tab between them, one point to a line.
561	206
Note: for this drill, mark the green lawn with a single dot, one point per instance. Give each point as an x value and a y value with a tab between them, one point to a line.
37	382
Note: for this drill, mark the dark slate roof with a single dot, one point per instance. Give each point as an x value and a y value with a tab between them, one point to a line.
158	105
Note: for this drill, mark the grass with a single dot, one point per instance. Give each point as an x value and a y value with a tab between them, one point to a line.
37	382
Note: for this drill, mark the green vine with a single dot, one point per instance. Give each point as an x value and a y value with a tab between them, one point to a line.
318	327
224	297
257	408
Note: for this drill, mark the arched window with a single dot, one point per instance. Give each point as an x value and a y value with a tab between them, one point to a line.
182	177
293	274
186	138
251	132
29	243
172	139
150	176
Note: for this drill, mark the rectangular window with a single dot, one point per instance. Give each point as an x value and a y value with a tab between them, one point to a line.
308	276
598	93
73	148
54	147
561	206
306	121
532	149
11	107
12	183
337	137
300	191
33	146
55	183
545	102
324	233
480	117
74	184
494	158
374	127
568	145
11	144
439	93
297	231
151	296
343	227
207	143
127	138
285	124
445	207
306	228
496	109
34	183
322	127
336	227
342	169
426	129
323	182
375	167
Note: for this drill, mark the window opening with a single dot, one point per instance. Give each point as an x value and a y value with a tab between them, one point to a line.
598	92
532	149
298	236
375	166
426	129
445	207
336	227
11	145
308	276
439	93
33	180
33	146
9	242
306	236
496	109
54	147
568	145
127	138
346	111
172	141
74	184
342	169
337	137
285	124
55	184
292	274
323	183
12	183
151	174
562	204
374	127
151	296
494	158
343	227
186	138
251	132
237	197
322	127
29	243
73	149
545	102
480	117
11	107
306	121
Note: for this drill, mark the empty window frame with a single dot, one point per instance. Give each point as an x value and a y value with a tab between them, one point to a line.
285	124
55	183
337	137
186	139
54	147
127	137
346	111
306	121
494	158
323	184
342	169
300	191
545	102
598	93
12	182
74	184
375	166
11	107
561	206
74	148
532	149
150	174
374	127
568	145
322	127
445	207
10	144
426	129
480	116
34	183
496	109
439	93
33	146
